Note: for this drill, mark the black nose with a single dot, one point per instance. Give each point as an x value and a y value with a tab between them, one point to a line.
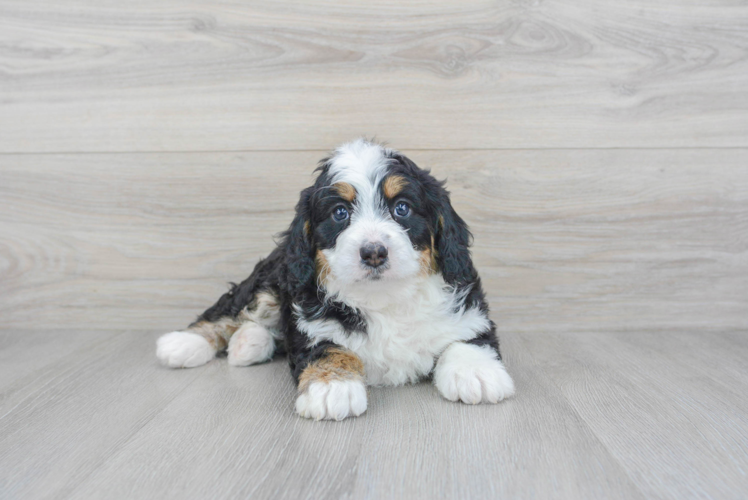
374	254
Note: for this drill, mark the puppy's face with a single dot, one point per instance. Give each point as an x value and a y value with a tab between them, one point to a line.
372	217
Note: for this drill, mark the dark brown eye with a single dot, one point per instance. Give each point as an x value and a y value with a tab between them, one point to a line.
340	213
402	209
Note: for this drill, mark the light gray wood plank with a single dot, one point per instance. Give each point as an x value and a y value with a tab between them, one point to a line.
565	240
79	411
193	75
597	415
233	434
674	421
719	355
24	354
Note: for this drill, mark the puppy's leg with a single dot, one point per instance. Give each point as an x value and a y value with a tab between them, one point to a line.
254	341
249	335
472	372
331	383
253	302
196	345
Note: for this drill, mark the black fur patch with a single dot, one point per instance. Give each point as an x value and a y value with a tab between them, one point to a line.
352	320
488	338
263	278
298	359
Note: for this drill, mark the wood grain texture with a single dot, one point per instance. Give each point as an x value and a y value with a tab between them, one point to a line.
596	415
674	419
565	240
18	368
61	424
191	75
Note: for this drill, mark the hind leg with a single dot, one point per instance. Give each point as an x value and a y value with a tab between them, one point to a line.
251	343
254	341
254	300
248	335
196	345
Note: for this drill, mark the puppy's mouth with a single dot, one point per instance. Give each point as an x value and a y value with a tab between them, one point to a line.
375	273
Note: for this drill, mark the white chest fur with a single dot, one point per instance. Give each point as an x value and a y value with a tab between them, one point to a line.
409	324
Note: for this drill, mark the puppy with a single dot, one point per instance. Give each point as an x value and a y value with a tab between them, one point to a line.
373	284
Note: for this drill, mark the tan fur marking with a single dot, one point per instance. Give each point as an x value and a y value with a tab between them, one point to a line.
393	185
428	262
337	364
307	229
217	333
323	267
428	259
263	309
345	190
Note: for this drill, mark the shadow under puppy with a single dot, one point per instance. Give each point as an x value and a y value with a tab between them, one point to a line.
373	283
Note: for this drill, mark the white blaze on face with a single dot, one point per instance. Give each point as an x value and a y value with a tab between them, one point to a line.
364	165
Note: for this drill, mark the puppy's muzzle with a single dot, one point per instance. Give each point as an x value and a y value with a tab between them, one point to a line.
373	255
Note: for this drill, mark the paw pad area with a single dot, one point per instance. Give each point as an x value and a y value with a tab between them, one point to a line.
473	375
334	400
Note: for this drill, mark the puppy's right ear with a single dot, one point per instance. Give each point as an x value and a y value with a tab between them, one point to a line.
298	245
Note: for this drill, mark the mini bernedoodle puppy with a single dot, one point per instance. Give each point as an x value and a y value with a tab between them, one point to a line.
373	284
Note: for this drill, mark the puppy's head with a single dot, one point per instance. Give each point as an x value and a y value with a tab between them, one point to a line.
374	216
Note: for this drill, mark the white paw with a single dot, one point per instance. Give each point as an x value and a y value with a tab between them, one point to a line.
333	400
250	344
183	350
472	374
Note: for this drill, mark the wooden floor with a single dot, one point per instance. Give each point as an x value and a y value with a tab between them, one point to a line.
90	414
598	149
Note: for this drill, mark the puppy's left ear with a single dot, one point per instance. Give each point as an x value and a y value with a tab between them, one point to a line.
298	245
452	241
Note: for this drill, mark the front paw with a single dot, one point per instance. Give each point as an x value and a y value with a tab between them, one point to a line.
333	400
472	374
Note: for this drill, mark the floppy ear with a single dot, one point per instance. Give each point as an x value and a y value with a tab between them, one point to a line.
298	246
452	242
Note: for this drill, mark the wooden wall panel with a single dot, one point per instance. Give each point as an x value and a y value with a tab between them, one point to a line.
81	76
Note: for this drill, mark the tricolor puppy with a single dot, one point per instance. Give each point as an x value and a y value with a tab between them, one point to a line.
372	284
